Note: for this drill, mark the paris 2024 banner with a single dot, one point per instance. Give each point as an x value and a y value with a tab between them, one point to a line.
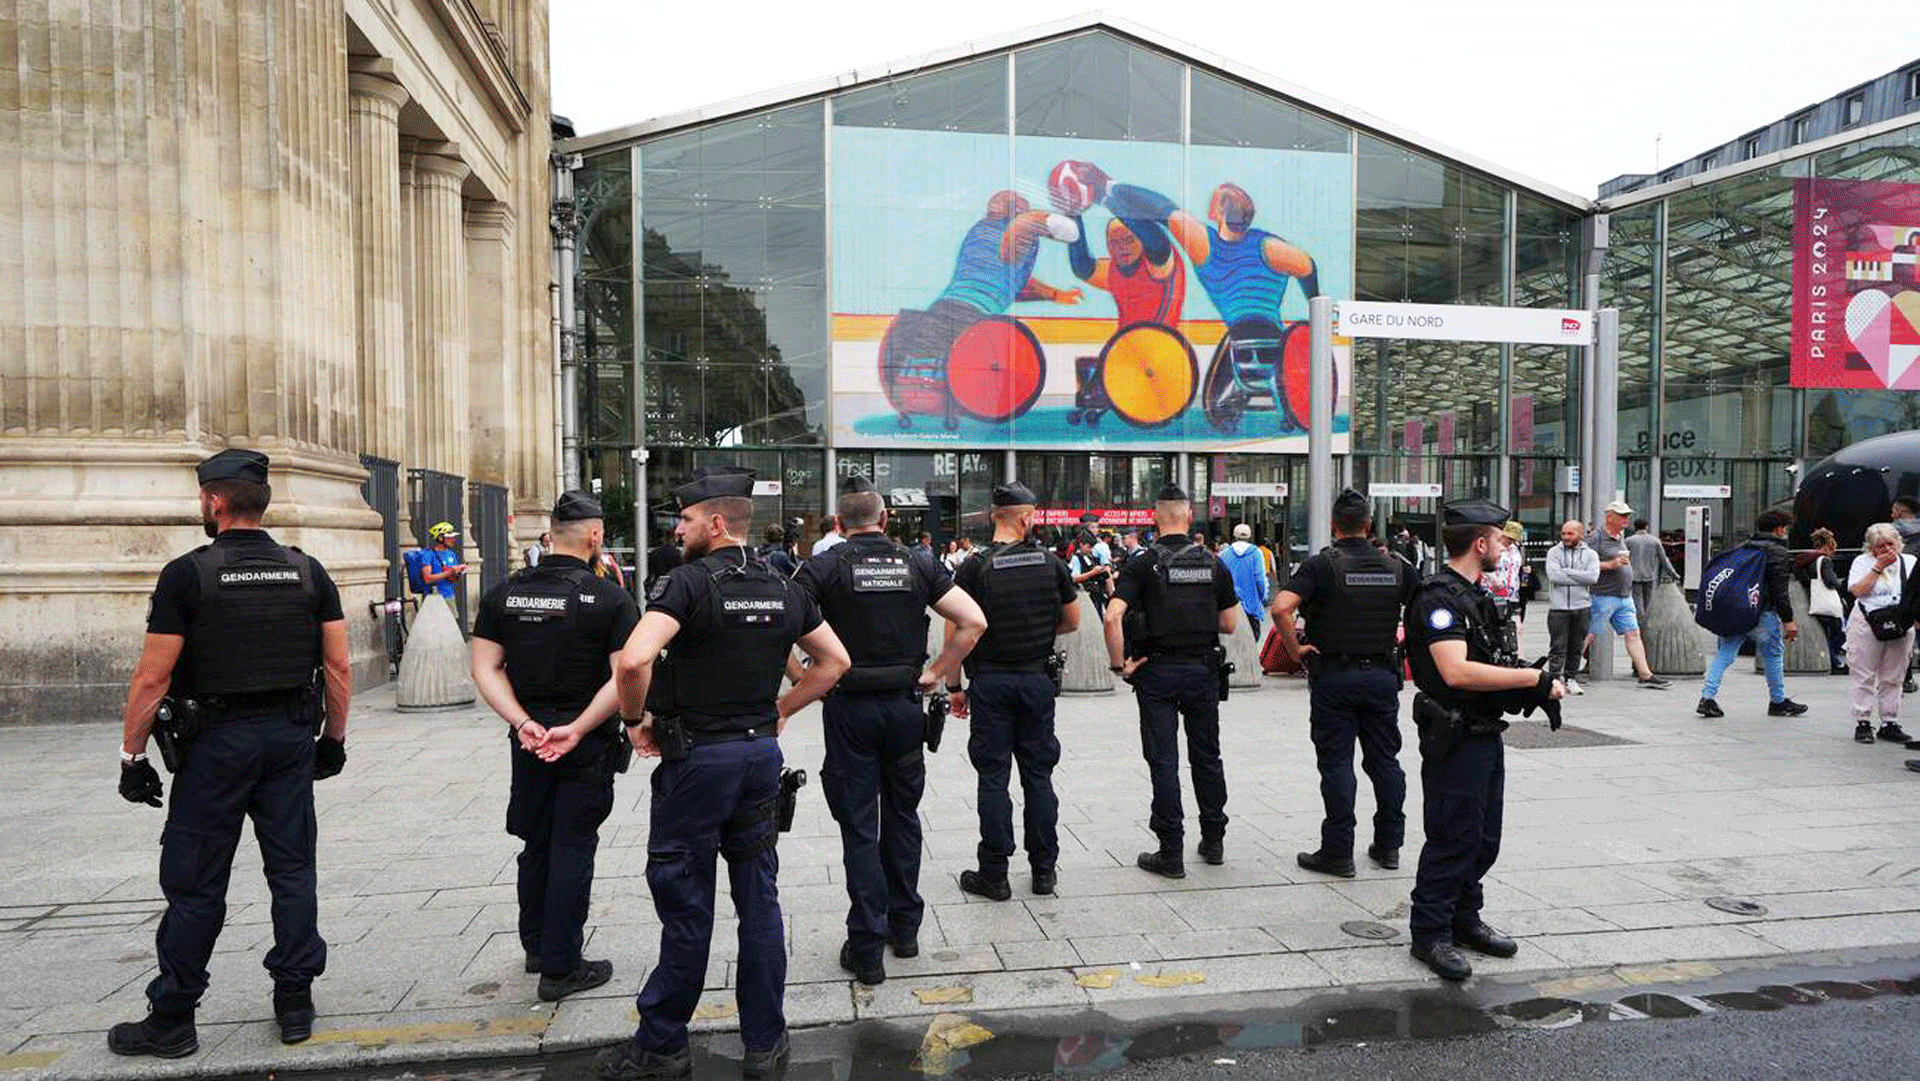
1856	285
1069	293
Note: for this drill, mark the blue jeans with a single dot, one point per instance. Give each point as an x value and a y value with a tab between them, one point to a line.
1767	642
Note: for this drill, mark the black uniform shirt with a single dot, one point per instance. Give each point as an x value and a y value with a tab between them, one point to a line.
1138	580
604	618
682	594
1435	615
176	595
822	574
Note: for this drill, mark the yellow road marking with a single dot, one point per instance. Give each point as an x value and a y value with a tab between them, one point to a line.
714	1011
434	1032
1098	980
1579	985
30	1060
1170	979
1668	973
944	996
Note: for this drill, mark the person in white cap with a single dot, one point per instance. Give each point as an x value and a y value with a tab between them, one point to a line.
1249	569
1613	593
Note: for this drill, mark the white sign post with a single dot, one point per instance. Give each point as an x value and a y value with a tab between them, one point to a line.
1463	323
1698	520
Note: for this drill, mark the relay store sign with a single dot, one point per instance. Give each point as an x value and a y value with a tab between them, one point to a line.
1463	323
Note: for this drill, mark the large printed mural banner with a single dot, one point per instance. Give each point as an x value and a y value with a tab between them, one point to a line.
1856	284
1043	292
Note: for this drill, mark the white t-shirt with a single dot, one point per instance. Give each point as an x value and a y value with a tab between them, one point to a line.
825	542
1886	587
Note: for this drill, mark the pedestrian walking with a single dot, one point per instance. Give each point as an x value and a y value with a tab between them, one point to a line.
1029	598
875	593
1879	633
1249	570
712	714
1454	636
1572	569
544	642
1650	567
1769	635
245	663
1185	600
1352	594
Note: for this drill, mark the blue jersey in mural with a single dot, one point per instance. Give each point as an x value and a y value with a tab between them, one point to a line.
1237	278
981	279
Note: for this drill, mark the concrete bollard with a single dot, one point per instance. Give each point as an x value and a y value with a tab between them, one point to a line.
1671	636
1086	650
1244	652
436	670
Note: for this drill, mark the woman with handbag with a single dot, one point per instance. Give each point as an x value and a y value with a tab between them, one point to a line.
1826	600
1879	633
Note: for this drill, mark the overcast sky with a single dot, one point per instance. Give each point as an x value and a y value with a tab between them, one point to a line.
1568	93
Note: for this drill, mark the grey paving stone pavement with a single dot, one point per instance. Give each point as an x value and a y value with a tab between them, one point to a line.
1609	857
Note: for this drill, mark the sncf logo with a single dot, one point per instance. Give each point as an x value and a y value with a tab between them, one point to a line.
1569	325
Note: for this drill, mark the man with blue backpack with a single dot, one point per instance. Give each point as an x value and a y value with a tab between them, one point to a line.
1743	595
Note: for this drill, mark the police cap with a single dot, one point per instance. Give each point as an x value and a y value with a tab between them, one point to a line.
1351	500
576	506
1171	493
1012	493
715	482
856	484
1473	512
234	464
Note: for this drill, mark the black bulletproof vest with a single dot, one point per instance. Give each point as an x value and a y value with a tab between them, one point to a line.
1181	614
256	627
1360	609
732	669
1022	603
552	659
1481	622
878	606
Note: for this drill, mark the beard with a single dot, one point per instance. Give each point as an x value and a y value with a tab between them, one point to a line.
211	527
695	547
1490	562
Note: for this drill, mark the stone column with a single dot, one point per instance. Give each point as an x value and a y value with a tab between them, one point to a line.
493	412
374	101
437	315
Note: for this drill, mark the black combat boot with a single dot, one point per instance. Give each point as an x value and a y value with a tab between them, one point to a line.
162	1035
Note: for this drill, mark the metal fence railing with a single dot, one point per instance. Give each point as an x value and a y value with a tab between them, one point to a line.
490	533
382	493
437	497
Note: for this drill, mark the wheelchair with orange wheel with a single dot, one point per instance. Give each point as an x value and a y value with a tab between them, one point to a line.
1259	367
1146	374
933	363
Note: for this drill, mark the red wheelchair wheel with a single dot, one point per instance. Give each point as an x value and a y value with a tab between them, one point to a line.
1296	375
911	355
995	369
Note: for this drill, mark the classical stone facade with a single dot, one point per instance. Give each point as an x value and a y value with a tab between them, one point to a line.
313	227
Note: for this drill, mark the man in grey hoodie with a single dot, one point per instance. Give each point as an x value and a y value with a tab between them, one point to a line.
1572	568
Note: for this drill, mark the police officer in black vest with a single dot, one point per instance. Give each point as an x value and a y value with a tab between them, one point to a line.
543	649
1184	598
875	593
725	623
1353	595
1028	596
245	639
1454	636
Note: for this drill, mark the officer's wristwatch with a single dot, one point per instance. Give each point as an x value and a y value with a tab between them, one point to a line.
129	759
954	688
633	722
1116	668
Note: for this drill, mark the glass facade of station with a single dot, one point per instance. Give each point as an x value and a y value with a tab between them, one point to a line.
751	271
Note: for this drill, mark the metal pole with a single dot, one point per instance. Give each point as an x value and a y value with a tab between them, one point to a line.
832	486
1013	466
565	221
1594	234
1319	423
1606	448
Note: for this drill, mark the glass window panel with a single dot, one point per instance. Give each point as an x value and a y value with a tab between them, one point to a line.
1096	86
966	97
1227	113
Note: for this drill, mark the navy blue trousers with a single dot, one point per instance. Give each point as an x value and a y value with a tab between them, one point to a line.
556	809
257	766
1465	792
1170	690
1353	703
721	799
875	771
1011	722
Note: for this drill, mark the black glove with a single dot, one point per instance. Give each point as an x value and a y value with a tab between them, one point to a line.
329	757
1541	698
139	783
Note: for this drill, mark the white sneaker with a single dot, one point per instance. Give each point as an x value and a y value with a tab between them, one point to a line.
1573	688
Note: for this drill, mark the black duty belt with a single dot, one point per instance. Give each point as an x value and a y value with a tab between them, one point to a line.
1201	657
1356	660
1011	666
222	707
701	739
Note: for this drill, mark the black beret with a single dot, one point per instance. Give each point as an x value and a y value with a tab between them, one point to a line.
1012	493
234	463
855	484
1473	512
714	482
576	506
1171	493
1348	497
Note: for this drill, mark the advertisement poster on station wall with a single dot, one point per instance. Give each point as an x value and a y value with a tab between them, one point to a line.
995	291
1856	285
